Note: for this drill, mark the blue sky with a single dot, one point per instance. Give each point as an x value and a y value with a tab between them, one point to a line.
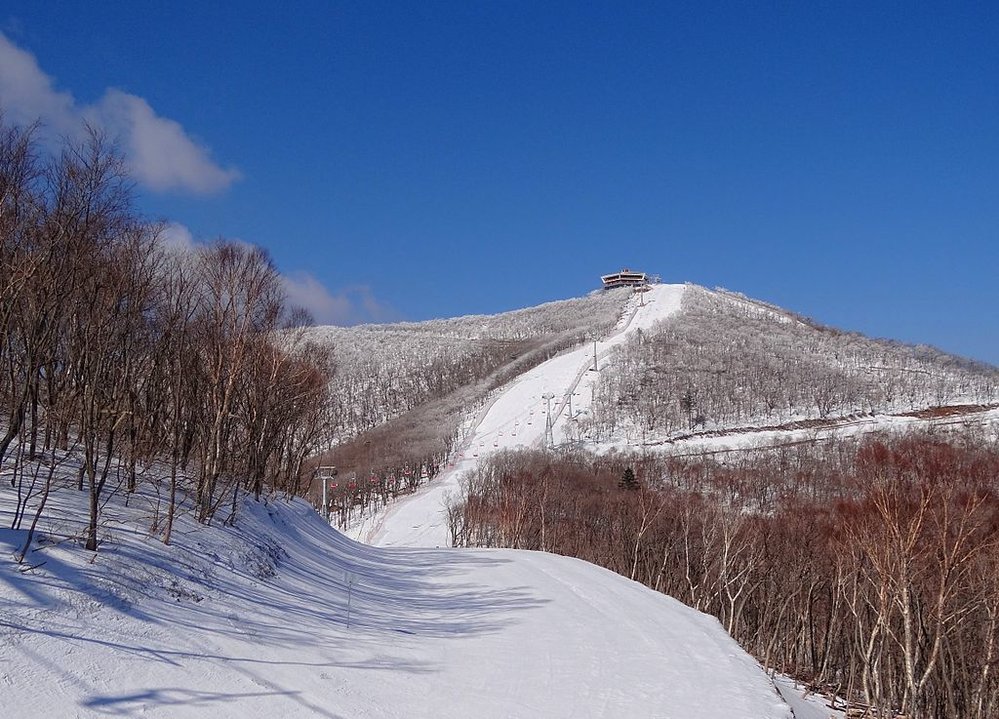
415	160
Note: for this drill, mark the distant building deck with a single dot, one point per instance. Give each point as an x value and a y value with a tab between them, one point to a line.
625	278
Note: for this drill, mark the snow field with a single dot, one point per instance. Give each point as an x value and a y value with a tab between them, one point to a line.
281	615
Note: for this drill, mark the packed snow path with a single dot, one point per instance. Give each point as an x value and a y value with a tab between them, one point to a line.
517	417
253	621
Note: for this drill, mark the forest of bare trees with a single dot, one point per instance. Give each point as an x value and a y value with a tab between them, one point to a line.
129	360
726	361
868	568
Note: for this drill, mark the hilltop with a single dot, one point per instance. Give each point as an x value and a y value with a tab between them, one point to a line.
681	369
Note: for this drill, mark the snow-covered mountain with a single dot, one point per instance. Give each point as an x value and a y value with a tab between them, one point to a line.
280	614
685	361
683	370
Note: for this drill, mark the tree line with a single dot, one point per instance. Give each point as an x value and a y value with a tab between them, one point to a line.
137	360
868	568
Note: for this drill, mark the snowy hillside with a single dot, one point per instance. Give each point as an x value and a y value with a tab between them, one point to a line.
715	364
282	616
726	362
385	370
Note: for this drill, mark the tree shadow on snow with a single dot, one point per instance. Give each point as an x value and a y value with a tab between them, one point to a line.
137	702
210	603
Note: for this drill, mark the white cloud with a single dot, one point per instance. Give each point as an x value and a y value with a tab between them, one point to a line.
177	238
306	291
161	154
26	93
350	306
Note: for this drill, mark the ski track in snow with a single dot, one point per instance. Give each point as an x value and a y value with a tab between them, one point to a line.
203	628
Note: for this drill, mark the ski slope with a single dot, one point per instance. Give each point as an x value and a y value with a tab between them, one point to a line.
253	621
516	417
594	614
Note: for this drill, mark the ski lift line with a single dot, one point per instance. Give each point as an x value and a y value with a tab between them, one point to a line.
574	385
473	435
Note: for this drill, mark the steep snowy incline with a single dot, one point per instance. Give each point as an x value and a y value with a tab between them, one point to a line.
253	621
516	417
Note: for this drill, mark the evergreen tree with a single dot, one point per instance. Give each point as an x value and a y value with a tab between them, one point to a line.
628	480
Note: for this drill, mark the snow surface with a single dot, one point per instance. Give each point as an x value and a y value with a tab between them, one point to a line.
252	621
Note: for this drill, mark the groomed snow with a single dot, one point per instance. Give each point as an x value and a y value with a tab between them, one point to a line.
226	624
